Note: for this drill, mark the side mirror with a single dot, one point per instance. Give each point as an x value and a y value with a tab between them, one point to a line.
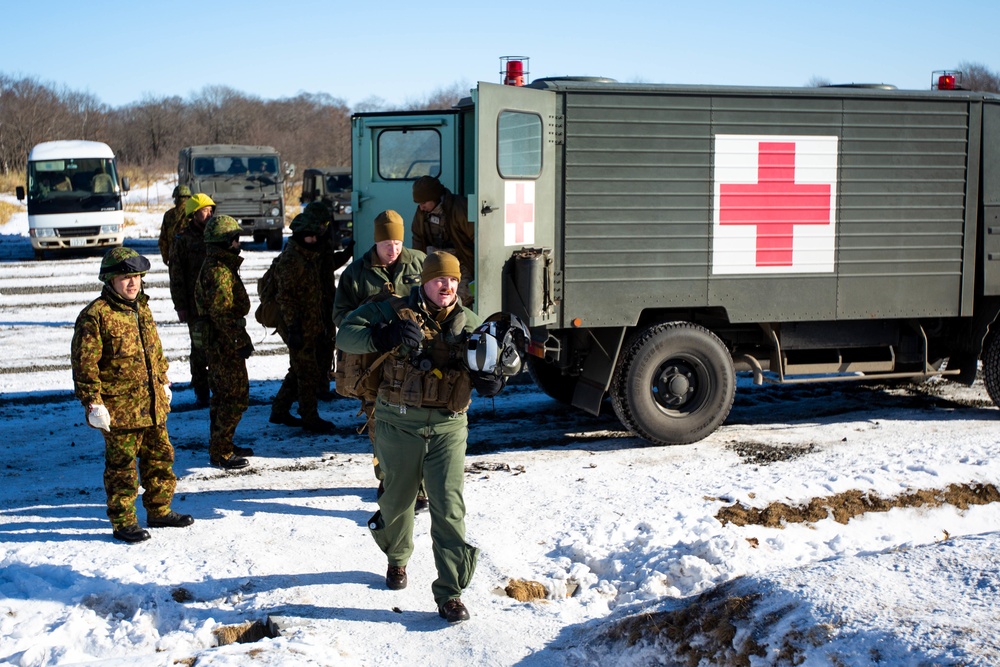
19	191
125	184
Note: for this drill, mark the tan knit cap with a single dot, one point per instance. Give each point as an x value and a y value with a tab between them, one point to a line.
389	226
440	263
427	188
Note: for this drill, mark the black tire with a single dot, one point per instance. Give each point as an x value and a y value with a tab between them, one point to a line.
39	254
275	239
550	380
991	368
259	237
674	384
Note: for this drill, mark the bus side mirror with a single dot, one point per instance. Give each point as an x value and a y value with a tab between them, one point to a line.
19	191
125	184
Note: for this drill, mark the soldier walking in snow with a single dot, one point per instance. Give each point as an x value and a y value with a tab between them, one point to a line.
173	220
120	376
223	304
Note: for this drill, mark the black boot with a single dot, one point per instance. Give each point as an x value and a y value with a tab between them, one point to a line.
131	534
230	463
284	417
317	425
395	578
242	451
170	520
453	611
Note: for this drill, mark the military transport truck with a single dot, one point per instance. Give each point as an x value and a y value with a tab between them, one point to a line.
332	187
658	239
245	182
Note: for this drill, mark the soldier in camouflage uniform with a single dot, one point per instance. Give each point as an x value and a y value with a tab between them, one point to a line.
172	219
441	222
300	296
120	376
421	422
187	254
388	262
223	305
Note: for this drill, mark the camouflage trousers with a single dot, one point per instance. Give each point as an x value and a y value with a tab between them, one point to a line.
230	385
301	383
156	475
198	362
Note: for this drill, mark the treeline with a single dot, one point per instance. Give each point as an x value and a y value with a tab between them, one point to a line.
309	130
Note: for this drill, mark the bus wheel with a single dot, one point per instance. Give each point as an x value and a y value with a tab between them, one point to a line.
39	254
674	384
550	380
991	368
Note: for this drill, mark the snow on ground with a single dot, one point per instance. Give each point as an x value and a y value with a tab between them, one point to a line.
627	539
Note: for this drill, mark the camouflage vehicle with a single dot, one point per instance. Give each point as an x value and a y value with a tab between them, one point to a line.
658	239
246	182
332	187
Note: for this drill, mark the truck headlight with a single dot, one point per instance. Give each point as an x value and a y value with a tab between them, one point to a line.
109	229
42	232
275	211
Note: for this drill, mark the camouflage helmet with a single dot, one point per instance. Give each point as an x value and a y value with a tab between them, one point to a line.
197	202
318	211
122	261
221	229
307	225
181	191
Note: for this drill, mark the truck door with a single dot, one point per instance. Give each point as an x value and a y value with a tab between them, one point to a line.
514	199
389	152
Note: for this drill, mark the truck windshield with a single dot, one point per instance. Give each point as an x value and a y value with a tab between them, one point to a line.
338	183
72	185
236	165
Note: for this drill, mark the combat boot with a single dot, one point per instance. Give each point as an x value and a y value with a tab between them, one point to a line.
284	417
170	520
453	611
242	451
232	462
395	577
131	534
317	425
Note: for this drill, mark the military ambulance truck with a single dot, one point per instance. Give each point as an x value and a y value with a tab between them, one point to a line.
74	199
658	239
244	182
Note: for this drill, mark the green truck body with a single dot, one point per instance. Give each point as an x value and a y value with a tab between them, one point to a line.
657	239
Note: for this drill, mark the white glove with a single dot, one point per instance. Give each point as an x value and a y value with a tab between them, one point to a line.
170	394
99	417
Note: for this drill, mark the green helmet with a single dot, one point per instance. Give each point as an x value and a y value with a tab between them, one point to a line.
305	224
181	191
318	211
122	261
221	229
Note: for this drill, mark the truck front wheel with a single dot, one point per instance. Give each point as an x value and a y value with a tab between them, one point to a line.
674	384
550	380
274	239
991	368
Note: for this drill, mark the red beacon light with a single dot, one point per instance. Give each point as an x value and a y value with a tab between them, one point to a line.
513	70
944	80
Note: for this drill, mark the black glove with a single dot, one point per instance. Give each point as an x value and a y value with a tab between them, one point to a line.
398	332
296	340
245	351
487	384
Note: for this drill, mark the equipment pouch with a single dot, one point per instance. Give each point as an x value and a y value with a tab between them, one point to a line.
461	391
201	328
411	391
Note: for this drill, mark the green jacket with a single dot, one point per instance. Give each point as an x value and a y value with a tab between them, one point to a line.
447	228
222	298
187	254
365	278
300	288
118	361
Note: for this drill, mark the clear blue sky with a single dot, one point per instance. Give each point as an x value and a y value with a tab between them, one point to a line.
404	51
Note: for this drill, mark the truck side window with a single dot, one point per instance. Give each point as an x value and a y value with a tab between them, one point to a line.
408	154
519	144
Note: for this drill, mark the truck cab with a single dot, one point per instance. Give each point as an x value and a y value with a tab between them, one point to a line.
331	186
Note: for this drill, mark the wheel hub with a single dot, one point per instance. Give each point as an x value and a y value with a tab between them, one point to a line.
675	384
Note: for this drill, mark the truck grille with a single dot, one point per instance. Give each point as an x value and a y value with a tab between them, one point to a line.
68	232
240	209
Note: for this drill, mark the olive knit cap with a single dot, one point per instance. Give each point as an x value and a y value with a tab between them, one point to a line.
389	226
440	263
317	211
427	188
122	261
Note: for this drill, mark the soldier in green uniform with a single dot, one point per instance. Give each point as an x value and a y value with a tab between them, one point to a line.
120	376
441	222
223	304
388	262
421	423
172	219
187	254
300	296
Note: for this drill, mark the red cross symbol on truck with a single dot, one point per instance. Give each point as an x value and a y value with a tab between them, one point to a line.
775	204
519	212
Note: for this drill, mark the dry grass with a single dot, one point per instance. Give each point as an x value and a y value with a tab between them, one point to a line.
7	210
11	180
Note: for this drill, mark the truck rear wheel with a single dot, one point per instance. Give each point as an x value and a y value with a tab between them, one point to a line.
550	380
991	368
274	239
674	384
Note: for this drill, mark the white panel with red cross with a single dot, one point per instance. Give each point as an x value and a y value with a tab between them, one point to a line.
518	213
774	204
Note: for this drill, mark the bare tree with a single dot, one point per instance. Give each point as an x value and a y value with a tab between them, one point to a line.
976	76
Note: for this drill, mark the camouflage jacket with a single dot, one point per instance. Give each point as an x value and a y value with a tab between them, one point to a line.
300	289
118	361
446	228
221	297
365	277
187	254
170	228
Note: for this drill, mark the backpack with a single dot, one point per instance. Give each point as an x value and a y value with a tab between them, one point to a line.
268	312
355	375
